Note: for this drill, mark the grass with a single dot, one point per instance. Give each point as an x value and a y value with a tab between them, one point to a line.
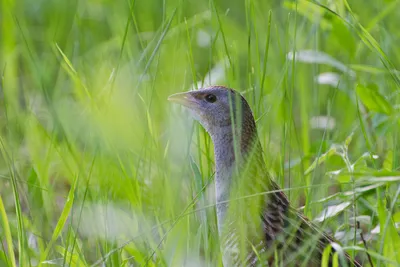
98	168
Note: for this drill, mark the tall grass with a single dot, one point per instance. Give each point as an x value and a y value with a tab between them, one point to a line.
98	169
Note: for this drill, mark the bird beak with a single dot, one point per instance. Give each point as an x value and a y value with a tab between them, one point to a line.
186	99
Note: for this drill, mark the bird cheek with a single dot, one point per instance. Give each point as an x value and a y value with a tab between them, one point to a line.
194	114
204	120
199	116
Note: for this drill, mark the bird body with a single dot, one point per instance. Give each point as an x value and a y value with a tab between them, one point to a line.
256	224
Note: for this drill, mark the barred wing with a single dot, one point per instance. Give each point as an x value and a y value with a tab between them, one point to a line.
289	236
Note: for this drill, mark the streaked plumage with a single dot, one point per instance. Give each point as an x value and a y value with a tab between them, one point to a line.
255	230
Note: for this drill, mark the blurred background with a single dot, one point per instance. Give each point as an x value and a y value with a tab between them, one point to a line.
98	169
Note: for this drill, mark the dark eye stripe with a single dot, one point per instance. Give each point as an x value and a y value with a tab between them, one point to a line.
210	98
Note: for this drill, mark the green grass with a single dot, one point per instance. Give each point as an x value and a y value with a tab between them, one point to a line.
98	168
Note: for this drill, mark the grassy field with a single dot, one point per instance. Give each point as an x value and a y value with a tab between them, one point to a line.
98	169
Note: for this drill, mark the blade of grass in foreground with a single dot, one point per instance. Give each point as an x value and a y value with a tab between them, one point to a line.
156	49
7	233
390	240
61	221
265	60
22	245
367	39
223	37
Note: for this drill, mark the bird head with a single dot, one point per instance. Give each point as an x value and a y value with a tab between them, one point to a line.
214	107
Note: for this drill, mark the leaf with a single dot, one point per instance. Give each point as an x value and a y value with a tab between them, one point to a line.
388	162
329	78
62	220
344	179
66	211
6	231
197	175
389	239
381	179
198	189
373	100
332	211
36	195
319	57
335	261
310	11
343	36
69	68
321	159
396	217
325	256
338	254
73	258
348	139
363	219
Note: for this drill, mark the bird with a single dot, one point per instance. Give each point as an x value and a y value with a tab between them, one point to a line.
256	224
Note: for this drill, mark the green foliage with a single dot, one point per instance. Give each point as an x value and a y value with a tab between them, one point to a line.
97	168
373	100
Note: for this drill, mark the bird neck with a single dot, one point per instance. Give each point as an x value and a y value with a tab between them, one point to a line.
233	150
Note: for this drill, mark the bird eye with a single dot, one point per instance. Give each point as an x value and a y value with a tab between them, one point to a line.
210	98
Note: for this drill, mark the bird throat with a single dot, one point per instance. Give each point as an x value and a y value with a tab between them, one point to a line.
238	156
